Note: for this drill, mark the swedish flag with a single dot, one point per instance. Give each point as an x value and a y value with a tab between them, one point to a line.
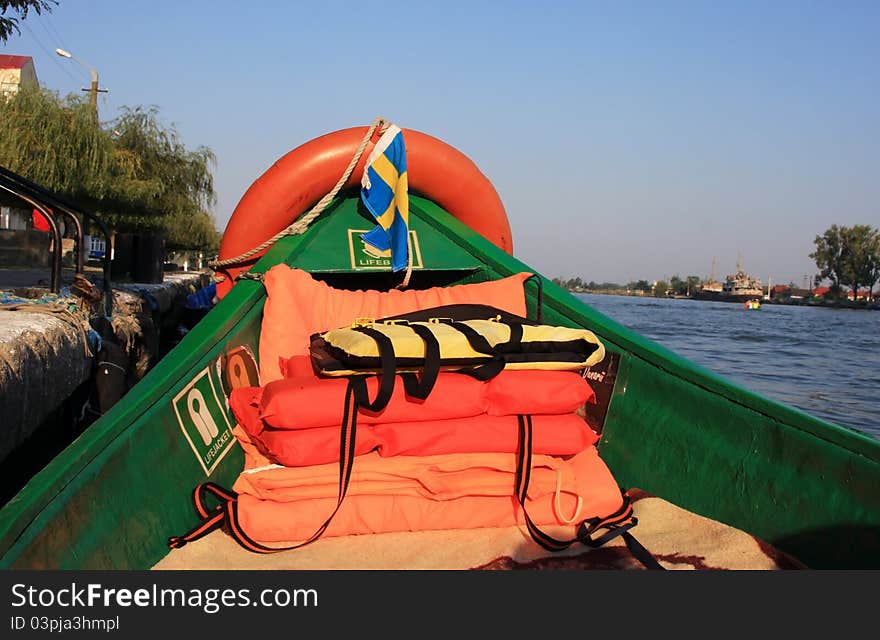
384	191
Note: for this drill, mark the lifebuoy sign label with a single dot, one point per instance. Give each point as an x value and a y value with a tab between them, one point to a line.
203	419
364	258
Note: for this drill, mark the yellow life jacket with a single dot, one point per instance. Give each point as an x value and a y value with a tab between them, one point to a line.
476	339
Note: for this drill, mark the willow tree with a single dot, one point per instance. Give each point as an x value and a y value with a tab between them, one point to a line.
159	184
134	173
56	143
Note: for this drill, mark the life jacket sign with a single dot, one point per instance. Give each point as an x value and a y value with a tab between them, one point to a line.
204	421
365	258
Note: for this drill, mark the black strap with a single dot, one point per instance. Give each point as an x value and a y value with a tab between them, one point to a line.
477	340
414	387
539	299
388	363
480	344
226	513
514	343
640	553
495	365
616	524
422	388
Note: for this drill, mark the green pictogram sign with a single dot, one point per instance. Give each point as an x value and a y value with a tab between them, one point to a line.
203	419
364	258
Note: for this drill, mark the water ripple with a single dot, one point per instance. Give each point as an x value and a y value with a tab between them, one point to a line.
822	361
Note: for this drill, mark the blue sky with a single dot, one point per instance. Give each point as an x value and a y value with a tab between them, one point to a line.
627	140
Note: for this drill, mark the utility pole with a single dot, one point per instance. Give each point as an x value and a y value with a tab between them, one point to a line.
93	90
93	93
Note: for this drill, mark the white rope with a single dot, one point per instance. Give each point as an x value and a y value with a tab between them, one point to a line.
302	223
409	262
557	506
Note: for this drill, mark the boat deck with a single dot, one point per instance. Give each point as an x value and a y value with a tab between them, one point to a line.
678	539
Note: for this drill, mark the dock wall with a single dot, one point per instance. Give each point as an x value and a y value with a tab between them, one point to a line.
49	356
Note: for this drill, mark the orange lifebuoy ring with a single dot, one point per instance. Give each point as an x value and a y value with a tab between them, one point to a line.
304	175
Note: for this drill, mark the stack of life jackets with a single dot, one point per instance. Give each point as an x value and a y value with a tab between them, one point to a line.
510	450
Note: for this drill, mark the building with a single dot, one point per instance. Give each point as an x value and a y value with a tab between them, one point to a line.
16	72
864	294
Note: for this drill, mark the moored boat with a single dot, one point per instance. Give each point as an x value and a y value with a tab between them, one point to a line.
737	287
689	448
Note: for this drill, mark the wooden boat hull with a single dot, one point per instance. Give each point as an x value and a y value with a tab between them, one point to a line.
720	296
672	428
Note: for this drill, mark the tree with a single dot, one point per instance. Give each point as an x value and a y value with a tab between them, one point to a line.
660	289
20	9
160	185
848	256
829	256
196	231
55	142
683	287
136	175
861	257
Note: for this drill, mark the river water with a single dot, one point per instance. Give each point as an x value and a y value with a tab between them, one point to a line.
825	362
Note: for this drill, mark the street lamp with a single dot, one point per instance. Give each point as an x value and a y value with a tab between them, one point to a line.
93	91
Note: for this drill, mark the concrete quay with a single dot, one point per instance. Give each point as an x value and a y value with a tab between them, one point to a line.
51	346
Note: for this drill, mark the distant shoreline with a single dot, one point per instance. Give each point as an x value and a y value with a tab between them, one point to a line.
801	302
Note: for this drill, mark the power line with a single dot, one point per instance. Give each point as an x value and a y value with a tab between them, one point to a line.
53	34
51	55
48	25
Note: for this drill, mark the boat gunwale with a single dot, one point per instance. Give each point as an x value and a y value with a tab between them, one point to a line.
50	483
663	358
44	494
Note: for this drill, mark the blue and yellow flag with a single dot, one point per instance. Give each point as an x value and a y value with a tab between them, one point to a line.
384	191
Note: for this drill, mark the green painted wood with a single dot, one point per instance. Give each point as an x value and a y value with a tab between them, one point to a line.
113	497
335	245
711	446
